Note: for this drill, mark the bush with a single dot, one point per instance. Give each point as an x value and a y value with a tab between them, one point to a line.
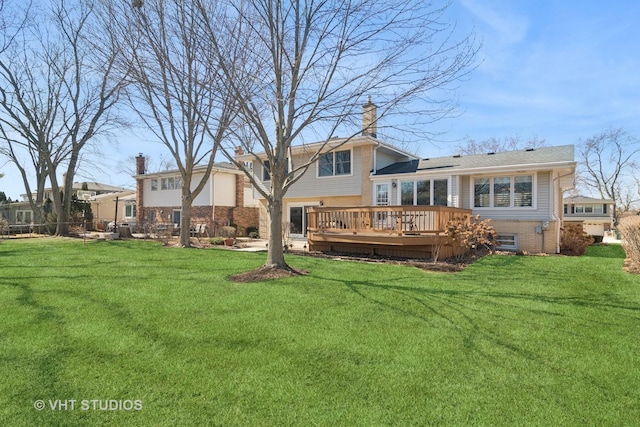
472	233
597	239
227	231
574	240
216	240
630	230
254	235
252	229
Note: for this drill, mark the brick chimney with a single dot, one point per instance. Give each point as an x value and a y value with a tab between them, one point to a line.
140	166
370	119
239	151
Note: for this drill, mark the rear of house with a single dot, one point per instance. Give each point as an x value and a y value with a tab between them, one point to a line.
520	191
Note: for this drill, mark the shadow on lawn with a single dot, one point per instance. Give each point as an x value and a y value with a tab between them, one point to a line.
473	313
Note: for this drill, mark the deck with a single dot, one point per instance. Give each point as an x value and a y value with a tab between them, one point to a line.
399	231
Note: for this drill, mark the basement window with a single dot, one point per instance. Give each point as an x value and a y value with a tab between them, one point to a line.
507	242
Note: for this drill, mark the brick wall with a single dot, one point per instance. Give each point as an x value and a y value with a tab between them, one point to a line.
528	239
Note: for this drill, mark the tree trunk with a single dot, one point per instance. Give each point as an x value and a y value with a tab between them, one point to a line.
185	218
275	255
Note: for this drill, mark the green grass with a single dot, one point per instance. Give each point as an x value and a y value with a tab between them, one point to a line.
509	341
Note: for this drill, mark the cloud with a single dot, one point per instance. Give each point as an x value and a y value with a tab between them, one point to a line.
506	26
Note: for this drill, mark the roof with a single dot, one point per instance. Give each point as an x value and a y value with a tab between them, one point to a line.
124	195
96	186
331	144
530	158
217	167
586	200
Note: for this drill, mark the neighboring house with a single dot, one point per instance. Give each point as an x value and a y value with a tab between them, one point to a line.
103	208
21	213
225	199
521	191
595	215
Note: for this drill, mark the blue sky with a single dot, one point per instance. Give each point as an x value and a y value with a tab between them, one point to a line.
560	70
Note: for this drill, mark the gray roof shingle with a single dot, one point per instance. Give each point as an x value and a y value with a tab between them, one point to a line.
544	155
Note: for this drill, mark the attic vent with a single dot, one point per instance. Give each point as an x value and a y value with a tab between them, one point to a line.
456	156
530	149
491	153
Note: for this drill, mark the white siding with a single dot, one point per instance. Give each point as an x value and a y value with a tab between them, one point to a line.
311	185
384	159
160	197
224	188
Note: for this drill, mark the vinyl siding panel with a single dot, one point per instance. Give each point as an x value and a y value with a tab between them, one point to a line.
311	185
224	187
384	159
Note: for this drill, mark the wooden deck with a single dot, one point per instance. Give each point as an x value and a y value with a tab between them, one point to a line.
399	231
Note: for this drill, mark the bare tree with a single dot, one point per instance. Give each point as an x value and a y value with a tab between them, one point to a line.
176	88
606	166
496	145
308	66
58	90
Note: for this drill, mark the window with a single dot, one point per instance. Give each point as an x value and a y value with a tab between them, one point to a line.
335	163
523	191
130	210
406	193
440	192
481	192
266	171
23	217
169	183
507	241
382	194
175	217
152	216
503	192
424	192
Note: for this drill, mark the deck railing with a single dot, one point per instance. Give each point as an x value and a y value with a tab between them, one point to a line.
398	220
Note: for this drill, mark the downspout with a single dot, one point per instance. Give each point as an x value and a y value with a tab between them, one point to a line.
553	212
212	196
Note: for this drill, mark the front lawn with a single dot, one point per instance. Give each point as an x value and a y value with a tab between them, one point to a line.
509	340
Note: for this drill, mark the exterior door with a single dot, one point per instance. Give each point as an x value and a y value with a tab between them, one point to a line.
297	221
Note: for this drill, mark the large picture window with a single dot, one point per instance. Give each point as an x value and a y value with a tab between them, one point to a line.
503	192
335	163
424	192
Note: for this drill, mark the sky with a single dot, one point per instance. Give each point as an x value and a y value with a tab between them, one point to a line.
561	71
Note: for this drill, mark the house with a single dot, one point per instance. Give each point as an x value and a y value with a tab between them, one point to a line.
114	207
340	178
225	199
20	213
521	192
595	215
